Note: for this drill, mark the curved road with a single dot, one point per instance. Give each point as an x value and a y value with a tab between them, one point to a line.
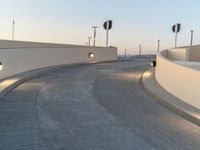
91	107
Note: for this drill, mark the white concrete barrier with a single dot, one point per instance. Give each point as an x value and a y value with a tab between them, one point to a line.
178	54
182	79
25	56
24	44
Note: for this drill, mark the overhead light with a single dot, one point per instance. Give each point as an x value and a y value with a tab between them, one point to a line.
153	63
91	55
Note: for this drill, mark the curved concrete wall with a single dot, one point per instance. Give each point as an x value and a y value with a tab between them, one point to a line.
8	44
181	81
17	60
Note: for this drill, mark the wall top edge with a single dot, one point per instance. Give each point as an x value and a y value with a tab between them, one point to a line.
175	63
48	45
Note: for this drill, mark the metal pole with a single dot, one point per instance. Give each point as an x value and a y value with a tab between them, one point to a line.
107	38
140	51
176	35
192	34
158	49
13	29
107	34
94	42
89	39
125	53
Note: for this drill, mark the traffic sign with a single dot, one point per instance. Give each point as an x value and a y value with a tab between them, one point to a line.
176	28
108	25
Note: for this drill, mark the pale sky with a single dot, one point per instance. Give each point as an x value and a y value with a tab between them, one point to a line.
69	21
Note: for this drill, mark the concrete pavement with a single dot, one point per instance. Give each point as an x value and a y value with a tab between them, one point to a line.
91	107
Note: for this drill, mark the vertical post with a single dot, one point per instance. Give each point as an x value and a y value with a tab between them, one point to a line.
125	55
192	35
176	35
89	39
13	29
107	38
107	34
140	51
158	49
94	42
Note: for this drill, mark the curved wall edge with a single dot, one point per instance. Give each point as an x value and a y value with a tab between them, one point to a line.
181	81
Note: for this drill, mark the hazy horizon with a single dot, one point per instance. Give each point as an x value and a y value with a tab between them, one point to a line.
135	22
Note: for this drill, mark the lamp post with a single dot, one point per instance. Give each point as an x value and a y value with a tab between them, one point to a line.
192	36
89	39
140	51
95	28
125	55
158	49
13	29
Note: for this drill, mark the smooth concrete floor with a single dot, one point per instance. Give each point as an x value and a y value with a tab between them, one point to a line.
91	107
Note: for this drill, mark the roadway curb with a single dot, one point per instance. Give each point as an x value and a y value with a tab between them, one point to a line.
166	99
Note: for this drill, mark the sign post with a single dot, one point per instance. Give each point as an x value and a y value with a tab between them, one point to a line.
176	29
107	26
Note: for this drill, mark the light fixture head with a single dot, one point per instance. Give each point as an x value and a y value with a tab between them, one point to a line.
91	55
153	63
1	66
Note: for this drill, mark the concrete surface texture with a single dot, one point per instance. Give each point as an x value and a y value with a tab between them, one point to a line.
91	107
179	79
38	55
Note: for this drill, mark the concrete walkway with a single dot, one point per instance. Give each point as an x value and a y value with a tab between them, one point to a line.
91	107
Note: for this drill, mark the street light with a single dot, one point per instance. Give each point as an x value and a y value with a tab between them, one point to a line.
95	28
153	63
192	36
91	55
89	39
140	51
1	66
158	49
